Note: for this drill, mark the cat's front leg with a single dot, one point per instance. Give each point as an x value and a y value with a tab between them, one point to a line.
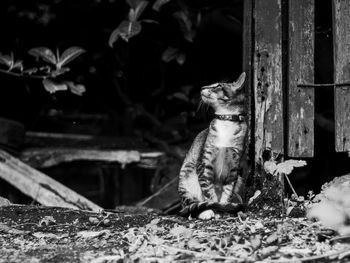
231	189
206	182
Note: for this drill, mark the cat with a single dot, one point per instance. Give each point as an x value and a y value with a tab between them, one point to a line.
209	179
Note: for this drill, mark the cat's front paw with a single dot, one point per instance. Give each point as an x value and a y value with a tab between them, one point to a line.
206	215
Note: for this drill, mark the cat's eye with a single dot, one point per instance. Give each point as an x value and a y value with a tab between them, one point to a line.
226	94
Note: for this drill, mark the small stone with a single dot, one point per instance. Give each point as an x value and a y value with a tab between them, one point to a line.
94	220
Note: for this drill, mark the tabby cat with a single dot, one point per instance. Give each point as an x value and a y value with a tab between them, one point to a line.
210	180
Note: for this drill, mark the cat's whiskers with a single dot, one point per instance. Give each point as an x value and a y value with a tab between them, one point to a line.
199	105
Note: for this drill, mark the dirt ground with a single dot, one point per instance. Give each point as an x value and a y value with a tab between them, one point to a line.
51	234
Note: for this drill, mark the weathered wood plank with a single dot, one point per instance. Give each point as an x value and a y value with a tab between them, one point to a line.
248	47
341	43
268	78
247	68
301	70
39	186
47	157
43	139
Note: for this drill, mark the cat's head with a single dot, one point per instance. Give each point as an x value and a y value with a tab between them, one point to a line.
223	97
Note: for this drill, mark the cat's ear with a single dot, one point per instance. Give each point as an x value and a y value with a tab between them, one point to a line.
240	81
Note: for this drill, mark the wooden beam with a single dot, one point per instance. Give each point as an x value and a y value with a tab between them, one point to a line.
301	70
82	141
341	40
268	77
47	157
39	186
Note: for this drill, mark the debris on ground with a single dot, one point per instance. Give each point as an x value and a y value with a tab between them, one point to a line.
52	234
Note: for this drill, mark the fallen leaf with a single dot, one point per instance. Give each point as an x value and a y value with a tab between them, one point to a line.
46	221
91	234
272	238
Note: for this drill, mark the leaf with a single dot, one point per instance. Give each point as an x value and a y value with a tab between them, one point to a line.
18	65
172	53
180	96
159	3
150	21
86	234
287	167
169	54
77	89
125	30
6	60
270	167
180	59
68	55
155	221
273	238
194	244
133	3
181	231
139	10
185	25
255	241
45	53
47	220
52	87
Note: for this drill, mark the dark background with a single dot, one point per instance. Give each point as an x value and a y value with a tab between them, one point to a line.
131	91
134	69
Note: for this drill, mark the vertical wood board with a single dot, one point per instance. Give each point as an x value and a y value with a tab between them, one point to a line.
341	38
247	68
301	70
268	77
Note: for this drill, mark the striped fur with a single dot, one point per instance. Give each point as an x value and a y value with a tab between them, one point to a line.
210	175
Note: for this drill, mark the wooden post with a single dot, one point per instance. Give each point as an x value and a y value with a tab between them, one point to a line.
268	78
341	43
248	48
301	70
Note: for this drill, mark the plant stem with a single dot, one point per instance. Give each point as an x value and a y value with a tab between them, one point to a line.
290	184
11	73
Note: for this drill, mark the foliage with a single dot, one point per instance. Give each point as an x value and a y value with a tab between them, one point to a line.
294	206
285	167
188	22
53	68
131	26
332	205
150	237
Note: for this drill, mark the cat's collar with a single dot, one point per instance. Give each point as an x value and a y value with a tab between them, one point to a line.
230	117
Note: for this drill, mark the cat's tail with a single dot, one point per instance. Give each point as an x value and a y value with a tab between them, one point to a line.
195	208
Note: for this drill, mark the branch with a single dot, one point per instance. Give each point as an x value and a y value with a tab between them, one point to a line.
11	73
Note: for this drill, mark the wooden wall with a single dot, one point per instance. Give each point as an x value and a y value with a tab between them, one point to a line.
267	77
341	43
